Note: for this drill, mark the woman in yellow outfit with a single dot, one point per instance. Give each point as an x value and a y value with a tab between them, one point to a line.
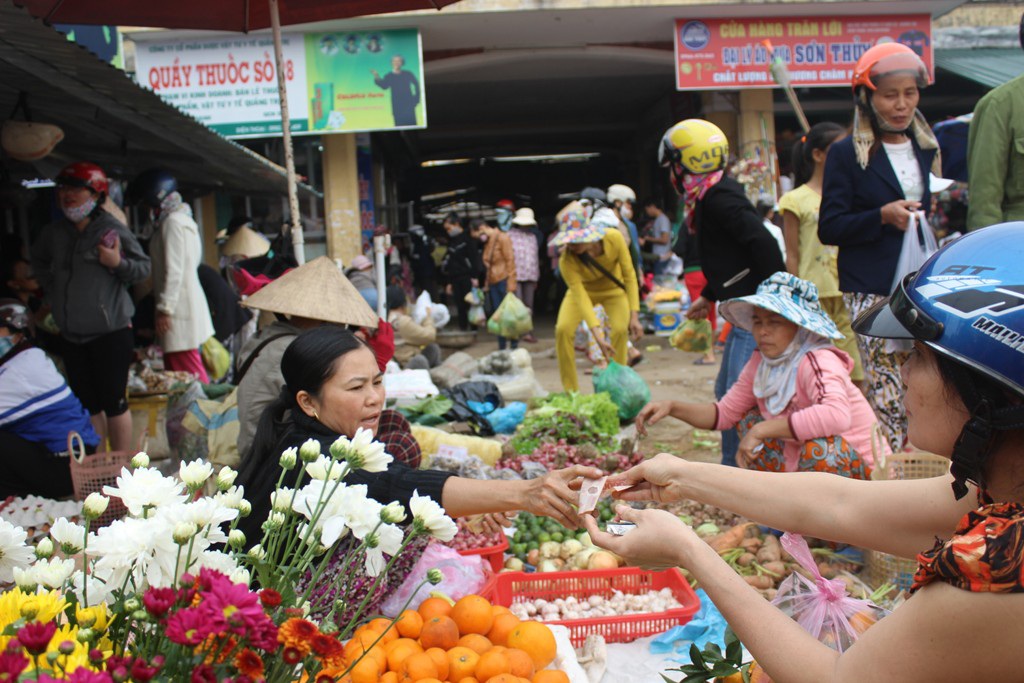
597	269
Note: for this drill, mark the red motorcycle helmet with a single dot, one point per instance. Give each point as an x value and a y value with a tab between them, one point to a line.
84	174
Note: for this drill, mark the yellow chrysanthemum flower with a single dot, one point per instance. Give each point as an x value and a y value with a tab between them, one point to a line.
15	604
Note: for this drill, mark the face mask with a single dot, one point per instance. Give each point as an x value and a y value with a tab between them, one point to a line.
77	214
626	212
6	344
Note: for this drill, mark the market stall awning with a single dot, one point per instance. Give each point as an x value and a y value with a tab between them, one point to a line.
109	120
989	66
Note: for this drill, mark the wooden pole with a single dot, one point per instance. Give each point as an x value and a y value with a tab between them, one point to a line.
298	244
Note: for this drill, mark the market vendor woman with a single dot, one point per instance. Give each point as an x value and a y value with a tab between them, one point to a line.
597	269
964	400
333	386
794	404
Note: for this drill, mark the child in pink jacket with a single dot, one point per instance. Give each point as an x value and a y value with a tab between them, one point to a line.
794	404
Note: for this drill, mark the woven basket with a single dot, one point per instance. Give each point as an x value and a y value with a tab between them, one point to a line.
881	568
90	473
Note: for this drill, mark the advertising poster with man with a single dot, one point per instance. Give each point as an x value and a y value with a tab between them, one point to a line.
365	80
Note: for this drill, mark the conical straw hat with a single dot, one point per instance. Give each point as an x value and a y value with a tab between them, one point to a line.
246	242
316	290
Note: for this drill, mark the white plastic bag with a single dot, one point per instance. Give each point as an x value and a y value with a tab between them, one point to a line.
440	314
918	244
421	308
674	267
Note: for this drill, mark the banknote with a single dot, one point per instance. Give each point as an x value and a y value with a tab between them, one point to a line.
619	528
590	493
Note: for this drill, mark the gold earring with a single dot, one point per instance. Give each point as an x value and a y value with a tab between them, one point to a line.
315	416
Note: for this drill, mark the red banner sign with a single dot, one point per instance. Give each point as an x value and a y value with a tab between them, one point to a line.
724	54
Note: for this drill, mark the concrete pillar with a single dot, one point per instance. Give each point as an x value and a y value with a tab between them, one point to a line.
207	220
756	123
341	197
722	109
756	119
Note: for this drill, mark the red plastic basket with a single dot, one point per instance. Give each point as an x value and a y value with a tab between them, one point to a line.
494	554
507	587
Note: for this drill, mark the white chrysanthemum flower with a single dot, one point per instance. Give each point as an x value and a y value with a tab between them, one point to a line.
216	560
184	532
54	572
392	513
310	450
194	474
208	514
25	579
226	478
288	458
257	552
95	505
98	588
362	452
240	575
144	547
13	550
236	538
389	542
145	488
140	459
281	499
69	536
429	517
232	498
324	468
44	548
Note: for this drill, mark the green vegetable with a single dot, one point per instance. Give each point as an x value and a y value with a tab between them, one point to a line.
598	408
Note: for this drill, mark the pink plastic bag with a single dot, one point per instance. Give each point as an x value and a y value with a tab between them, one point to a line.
462	575
822	606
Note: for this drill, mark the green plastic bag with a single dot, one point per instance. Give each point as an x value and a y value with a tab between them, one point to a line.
693	336
512	319
628	390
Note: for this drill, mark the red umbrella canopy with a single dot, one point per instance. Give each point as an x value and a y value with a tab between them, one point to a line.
223	15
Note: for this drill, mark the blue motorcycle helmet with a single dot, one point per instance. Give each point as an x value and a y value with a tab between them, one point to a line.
966	304
151	187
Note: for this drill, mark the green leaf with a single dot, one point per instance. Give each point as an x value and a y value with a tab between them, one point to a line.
696	656
713	652
733	648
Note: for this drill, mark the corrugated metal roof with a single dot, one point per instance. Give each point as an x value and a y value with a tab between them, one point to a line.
109	120
987	66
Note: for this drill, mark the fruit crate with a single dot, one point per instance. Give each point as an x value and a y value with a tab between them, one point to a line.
493	555
507	587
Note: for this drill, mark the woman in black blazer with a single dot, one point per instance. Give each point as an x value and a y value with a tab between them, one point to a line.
875	180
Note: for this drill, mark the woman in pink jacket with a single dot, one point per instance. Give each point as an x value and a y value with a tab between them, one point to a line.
794	404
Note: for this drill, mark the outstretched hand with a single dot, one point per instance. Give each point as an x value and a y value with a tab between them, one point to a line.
556	494
655	543
654	479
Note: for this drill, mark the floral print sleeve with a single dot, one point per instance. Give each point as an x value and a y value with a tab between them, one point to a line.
985	554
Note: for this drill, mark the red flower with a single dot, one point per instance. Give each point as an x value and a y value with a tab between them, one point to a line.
11	665
79	675
159	601
263	635
249	663
35	637
232	605
204	674
270	597
186	627
143	672
292	655
327	647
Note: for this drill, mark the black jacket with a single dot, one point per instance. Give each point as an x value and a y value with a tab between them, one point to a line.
851	215
737	253
462	260
260	478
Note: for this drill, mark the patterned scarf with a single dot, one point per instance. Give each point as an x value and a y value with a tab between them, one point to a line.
173	202
864	136
695	187
775	379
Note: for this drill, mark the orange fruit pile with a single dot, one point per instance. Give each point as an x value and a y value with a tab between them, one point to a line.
471	641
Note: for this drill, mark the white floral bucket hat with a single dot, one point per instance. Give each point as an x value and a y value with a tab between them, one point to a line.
794	299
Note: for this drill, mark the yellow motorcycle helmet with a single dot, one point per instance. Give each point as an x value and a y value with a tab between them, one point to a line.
693	146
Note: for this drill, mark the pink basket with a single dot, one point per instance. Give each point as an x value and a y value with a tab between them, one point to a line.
90	473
